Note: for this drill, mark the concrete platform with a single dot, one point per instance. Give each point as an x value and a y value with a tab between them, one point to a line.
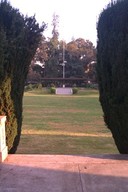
64	173
64	91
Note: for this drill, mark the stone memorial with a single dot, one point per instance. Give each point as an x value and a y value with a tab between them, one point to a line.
64	91
3	147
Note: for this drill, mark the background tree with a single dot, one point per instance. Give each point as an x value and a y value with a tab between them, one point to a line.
37	67
112	70
79	54
19	38
34	76
91	72
41	56
51	64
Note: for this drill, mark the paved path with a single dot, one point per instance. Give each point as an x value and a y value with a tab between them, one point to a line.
64	173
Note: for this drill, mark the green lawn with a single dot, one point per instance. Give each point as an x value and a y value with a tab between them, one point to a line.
64	125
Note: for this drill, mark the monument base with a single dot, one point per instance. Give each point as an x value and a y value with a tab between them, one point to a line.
3	154
64	91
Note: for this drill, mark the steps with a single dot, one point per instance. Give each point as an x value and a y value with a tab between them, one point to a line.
64	173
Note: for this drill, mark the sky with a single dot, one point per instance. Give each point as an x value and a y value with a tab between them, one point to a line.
77	18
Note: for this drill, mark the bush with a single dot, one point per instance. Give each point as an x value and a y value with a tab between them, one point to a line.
31	87
75	90
28	87
19	39
92	86
52	90
112	70
39	86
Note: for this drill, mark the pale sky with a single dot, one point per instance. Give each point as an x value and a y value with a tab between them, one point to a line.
77	18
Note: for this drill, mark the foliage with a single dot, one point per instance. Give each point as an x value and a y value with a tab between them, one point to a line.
51	64
31	87
28	87
79	54
19	38
75	90
92	86
52	54
52	90
112	70
33	76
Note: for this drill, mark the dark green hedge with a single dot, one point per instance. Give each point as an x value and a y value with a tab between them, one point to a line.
19	38
112	70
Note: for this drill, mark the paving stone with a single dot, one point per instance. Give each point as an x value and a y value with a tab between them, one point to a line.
64	173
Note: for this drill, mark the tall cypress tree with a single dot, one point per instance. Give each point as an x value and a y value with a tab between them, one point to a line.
112	70
19	38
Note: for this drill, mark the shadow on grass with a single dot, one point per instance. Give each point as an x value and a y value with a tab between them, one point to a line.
65	144
111	157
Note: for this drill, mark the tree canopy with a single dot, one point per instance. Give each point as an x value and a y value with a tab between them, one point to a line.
77	56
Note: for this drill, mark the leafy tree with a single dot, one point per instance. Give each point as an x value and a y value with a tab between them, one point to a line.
34	76
19	38
51	64
45	61
42	51
91	72
112	70
38	62
55	34
79	54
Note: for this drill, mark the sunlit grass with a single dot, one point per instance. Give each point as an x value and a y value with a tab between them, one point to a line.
64	125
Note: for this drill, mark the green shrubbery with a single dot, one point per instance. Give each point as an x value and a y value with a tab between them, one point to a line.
52	90
112	70
31	87
19	38
75	90
92	86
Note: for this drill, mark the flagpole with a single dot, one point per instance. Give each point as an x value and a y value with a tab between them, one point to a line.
63	63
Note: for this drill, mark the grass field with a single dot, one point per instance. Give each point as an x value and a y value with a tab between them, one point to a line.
64	125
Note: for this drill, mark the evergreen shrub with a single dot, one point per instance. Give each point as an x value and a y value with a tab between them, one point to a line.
75	90
112	70
19	39
52	90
